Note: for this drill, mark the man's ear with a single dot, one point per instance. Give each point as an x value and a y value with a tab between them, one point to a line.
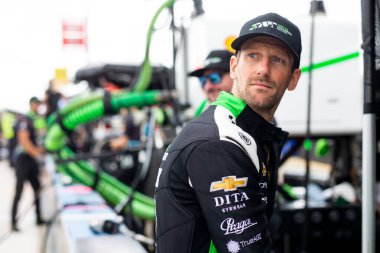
294	79
233	65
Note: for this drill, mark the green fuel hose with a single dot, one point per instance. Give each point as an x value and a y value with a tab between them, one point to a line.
146	69
112	190
83	111
56	135
78	102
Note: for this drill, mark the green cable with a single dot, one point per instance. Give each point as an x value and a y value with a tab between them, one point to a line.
83	115
321	147
118	185
82	111
55	137
289	190
51	120
307	144
160	115
146	72
79	102
110	188
137	99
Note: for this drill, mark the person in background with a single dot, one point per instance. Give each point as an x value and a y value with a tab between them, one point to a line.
27	155
129	138
216	185
214	77
7	124
131	131
52	99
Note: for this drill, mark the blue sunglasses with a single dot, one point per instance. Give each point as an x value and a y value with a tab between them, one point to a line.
215	78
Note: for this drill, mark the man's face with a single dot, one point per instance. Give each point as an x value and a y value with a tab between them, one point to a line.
214	82
34	106
262	71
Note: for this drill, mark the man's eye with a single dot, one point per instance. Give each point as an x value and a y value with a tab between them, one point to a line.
252	55
278	60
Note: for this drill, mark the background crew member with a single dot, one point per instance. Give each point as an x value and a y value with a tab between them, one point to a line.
214	77
216	184
27	154
129	138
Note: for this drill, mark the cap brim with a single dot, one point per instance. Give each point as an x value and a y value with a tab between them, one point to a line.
36	101
236	44
198	72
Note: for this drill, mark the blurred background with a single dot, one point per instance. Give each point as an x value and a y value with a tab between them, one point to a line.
74	56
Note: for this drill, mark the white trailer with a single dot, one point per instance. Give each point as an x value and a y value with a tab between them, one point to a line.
337	93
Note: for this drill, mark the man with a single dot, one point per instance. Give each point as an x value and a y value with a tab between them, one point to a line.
27	154
214	77
216	184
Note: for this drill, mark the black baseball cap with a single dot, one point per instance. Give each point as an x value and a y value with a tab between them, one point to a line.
216	59
274	25
34	100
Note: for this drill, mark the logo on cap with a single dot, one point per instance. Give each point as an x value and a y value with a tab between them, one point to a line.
230	183
270	24
212	60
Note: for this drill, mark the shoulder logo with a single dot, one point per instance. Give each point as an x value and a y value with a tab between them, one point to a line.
230	183
245	138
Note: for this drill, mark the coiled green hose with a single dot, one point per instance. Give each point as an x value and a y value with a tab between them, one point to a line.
55	137
112	190
82	111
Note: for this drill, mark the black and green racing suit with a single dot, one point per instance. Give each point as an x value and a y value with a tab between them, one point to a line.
216	184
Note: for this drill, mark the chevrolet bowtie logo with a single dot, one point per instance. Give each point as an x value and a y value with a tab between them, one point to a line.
230	183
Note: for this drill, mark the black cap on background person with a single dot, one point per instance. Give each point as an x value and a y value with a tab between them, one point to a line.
274	25
35	100
214	76
215	60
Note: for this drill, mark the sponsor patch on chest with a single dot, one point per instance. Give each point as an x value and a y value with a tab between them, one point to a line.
229	183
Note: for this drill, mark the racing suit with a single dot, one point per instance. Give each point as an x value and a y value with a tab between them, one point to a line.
215	187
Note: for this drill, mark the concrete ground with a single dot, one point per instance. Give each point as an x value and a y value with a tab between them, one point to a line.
29	237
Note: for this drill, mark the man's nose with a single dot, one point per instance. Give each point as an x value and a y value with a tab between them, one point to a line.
208	84
263	66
